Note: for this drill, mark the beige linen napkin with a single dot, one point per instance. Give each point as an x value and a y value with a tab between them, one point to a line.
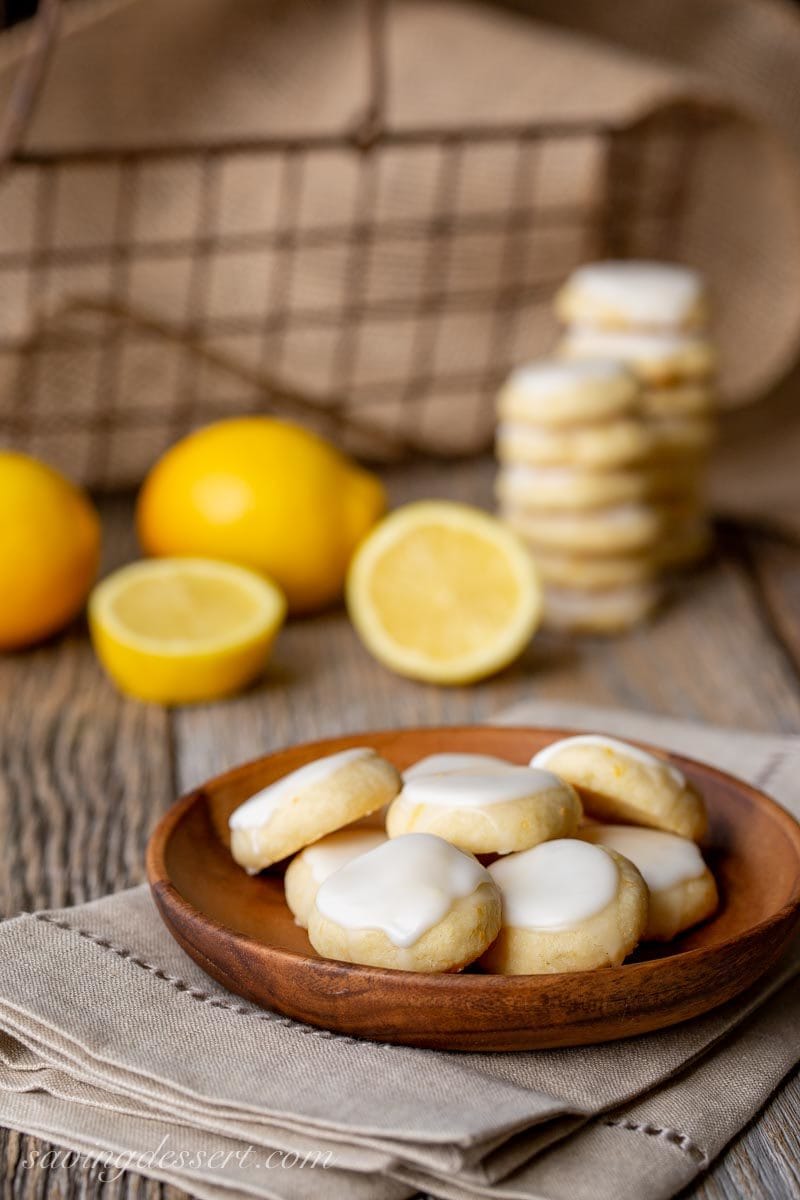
113	1042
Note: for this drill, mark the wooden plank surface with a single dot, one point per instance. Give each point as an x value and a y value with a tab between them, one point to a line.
84	773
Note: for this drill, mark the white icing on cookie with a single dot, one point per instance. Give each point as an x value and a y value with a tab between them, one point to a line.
647	293
623	749
555	885
443	764
334	851
259	809
478	789
403	888
578	603
620	514
551	376
662	858
520	476
638	348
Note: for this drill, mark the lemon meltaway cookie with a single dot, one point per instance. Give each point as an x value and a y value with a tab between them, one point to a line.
601	611
595	573
682	437
616	442
620	782
620	529
445	763
661	359
566	487
307	804
682	889
567	906
312	866
416	903
680	400
555	392
631	294
487	812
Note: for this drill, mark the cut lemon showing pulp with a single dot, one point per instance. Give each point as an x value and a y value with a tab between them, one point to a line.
443	592
184	630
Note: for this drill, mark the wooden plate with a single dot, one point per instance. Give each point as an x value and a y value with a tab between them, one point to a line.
240	931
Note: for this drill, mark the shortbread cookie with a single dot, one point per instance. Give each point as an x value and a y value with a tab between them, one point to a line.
445	764
620	782
312	866
661	359
622	529
678	437
555	392
566	910
415	903
676	481
566	488
314	800
577	572
602	612
682	889
487	812
680	400
630	294
605	444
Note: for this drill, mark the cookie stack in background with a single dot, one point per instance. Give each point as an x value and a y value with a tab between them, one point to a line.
654	317
603	450
576	481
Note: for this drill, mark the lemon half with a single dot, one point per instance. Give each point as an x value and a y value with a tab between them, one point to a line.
444	593
184	630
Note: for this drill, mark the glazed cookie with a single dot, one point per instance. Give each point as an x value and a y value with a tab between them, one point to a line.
682	889
676	480
565	909
445	764
681	437
681	400
577	572
620	782
415	903
487	812
622	529
606	444
312	866
310	802
628	294
555	392
660	359
604	612
566	488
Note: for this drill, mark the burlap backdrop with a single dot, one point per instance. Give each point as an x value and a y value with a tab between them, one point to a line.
404	334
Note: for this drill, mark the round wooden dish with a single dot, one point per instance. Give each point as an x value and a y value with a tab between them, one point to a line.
239	930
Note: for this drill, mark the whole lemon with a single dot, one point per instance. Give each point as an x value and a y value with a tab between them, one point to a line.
49	550
268	495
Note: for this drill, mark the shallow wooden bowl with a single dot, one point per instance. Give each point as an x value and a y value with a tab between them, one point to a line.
239	930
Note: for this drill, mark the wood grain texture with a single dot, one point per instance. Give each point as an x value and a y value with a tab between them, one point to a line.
721	653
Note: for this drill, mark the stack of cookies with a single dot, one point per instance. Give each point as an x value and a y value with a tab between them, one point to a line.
579	483
654	318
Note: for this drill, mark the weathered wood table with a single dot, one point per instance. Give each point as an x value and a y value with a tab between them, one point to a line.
84	773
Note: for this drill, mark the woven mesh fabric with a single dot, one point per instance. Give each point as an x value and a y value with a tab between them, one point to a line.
195	227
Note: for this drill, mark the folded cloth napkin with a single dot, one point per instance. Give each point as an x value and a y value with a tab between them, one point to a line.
115	1044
